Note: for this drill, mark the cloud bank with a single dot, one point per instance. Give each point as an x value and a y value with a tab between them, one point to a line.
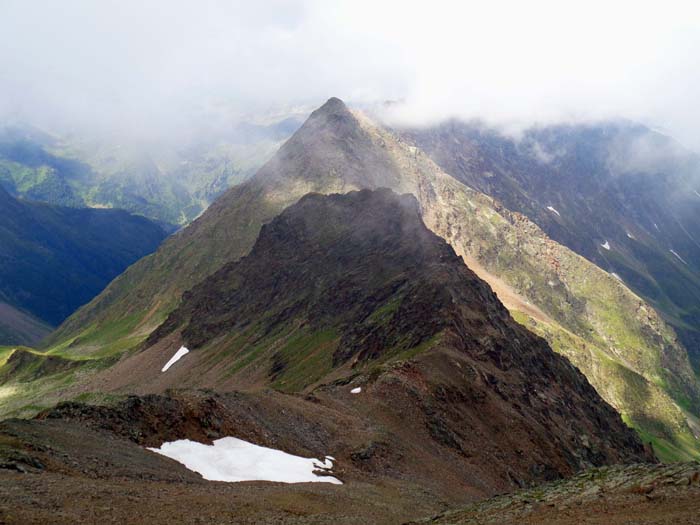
151	67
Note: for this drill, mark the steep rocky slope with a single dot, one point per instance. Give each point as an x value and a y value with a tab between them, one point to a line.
54	259
620	194
330	153
629	353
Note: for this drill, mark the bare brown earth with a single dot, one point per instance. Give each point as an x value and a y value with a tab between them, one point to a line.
82	464
638	494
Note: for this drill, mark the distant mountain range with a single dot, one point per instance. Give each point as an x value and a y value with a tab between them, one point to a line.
170	182
54	259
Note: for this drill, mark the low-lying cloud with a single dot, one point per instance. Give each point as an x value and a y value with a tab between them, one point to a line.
151	68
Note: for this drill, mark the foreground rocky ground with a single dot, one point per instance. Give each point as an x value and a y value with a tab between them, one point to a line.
79	463
636	494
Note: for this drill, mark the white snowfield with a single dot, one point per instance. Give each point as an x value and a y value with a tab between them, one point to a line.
553	210
174	359
356	390
606	245
232	459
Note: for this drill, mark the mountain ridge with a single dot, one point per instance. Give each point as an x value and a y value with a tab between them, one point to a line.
625	348
350	302
619	194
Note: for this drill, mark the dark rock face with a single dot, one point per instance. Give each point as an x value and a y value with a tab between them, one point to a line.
476	383
332	261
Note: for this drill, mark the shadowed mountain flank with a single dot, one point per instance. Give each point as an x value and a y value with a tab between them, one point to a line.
350	301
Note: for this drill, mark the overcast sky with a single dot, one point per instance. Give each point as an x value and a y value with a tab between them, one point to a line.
147	66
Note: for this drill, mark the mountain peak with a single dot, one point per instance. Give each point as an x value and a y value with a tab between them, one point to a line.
332	151
332	105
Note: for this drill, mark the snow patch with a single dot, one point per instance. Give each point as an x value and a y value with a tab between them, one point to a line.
606	245
553	210
696	193
679	257
616	276
356	390
656	226
232	459
174	359
630	236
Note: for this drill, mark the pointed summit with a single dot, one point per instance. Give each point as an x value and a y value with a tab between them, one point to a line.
331	152
332	105
333	112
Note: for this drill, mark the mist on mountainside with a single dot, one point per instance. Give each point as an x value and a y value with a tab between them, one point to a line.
188	68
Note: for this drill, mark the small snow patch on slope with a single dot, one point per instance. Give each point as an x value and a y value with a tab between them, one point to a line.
553	210
606	245
232	459
174	359
679	257
696	193
616	276
630	236
356	390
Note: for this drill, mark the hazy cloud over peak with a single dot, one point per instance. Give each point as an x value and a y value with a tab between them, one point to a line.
149	67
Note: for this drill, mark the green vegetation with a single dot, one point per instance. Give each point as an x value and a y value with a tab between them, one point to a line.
644	405
306	358
32	381
5	353
167	183
627	351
